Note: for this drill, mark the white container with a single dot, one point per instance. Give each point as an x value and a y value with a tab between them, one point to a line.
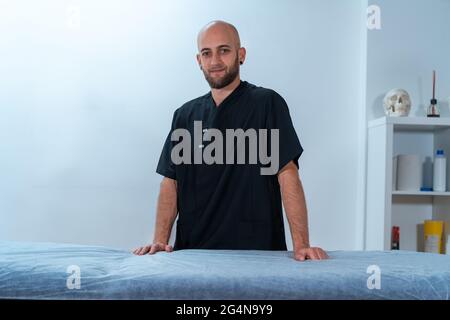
447	246
409	172
439	172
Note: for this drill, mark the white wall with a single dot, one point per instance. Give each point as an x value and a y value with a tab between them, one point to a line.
84	111
413	40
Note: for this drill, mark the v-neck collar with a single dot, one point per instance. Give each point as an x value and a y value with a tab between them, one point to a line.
235	93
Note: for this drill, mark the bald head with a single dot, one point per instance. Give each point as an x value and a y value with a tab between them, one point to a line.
220	54
218	30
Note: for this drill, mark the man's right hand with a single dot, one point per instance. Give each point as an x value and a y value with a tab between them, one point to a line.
152	248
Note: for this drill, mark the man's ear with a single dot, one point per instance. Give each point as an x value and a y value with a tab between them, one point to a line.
199	61
242	53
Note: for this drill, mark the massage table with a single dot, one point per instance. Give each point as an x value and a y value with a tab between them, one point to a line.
37	270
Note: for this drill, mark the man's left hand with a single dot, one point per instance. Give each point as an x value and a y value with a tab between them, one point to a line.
310	253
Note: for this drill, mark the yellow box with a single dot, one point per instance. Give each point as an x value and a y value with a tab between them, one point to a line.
433	233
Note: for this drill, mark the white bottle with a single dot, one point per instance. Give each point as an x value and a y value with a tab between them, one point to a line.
447	246
439	172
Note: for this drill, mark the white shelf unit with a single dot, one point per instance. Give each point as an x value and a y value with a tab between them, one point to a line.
385	207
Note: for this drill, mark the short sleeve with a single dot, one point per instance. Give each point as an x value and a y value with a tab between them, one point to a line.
279	118
165	166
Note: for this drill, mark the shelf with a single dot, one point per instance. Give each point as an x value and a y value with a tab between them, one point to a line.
421	193
413	123
385	207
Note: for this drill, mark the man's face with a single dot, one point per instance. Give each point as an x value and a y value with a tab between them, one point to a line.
218	57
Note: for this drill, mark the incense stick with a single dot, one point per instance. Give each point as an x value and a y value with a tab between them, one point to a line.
434	84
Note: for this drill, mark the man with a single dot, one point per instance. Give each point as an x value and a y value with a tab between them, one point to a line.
231	206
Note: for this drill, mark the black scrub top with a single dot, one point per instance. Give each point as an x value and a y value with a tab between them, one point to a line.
231	206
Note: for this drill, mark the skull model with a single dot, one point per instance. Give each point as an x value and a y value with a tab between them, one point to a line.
397	103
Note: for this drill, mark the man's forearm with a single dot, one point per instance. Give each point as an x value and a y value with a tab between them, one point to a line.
294	205
166	211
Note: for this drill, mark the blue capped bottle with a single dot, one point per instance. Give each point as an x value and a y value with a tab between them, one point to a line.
439	172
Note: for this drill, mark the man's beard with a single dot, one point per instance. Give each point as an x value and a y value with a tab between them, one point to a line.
219	83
